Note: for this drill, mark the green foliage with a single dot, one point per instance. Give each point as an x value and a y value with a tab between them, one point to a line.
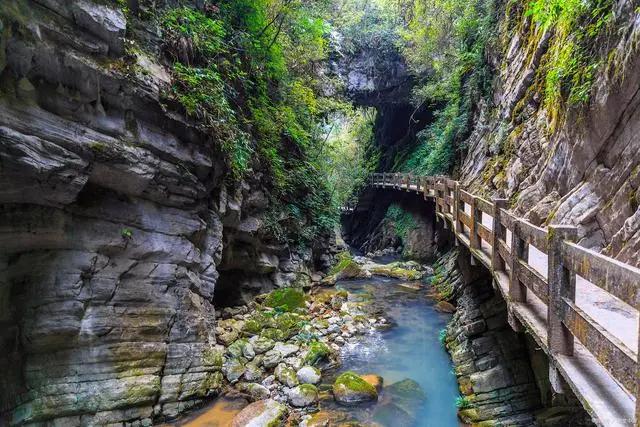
126	233
463	402
246	70
571	61
403	221
365	24
349	153
190	29
445	40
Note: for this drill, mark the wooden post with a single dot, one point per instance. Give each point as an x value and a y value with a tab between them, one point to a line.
445	205
474	241
517	291
440	195
562	284
456	208
425	187
497	264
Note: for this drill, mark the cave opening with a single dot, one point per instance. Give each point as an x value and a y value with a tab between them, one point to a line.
228	290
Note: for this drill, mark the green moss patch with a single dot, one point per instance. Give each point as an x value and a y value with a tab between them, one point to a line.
318	351
287	299
345	261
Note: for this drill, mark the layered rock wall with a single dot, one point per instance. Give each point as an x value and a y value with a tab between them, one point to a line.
501	374
117	227
558	163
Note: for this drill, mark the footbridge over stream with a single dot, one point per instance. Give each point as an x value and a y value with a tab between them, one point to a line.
580	306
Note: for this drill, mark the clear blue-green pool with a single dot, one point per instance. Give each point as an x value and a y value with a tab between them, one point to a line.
410	349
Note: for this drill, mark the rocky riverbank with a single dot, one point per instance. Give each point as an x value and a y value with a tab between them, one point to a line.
279	354
274	349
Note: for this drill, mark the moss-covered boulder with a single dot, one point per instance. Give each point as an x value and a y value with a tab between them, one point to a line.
257	391
393	270
253	372
317	352
287	299
350	389
346	268
271	358
273	334
288	323
233	369
241	348
286	375
252	327
263	344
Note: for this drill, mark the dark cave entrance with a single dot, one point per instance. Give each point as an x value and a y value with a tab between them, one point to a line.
228	292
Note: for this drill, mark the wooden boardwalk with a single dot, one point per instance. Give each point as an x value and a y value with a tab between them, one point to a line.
580	306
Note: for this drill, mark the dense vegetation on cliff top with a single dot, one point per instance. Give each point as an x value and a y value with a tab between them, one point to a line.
448	45
249	70
254	74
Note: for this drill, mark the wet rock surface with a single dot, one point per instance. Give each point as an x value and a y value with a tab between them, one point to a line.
263	413
305	335
349	389
312	380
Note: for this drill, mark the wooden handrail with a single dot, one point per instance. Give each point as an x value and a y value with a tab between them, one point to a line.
565	321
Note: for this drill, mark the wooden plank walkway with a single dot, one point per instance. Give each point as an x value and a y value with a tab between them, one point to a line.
581	307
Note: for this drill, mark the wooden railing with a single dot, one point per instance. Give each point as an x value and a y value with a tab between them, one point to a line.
501	241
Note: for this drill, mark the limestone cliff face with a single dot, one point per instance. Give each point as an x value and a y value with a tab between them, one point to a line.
117	230
504	373
580	168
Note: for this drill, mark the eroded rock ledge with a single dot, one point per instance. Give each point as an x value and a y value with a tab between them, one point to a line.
503	378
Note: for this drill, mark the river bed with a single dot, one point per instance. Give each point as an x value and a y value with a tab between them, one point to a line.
410	349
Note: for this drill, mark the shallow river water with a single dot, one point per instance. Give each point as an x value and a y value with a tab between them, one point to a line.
408	350
411	349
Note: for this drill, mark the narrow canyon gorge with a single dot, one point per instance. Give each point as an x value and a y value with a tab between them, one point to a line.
187	212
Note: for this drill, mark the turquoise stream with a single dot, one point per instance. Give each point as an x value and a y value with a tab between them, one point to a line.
411	349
